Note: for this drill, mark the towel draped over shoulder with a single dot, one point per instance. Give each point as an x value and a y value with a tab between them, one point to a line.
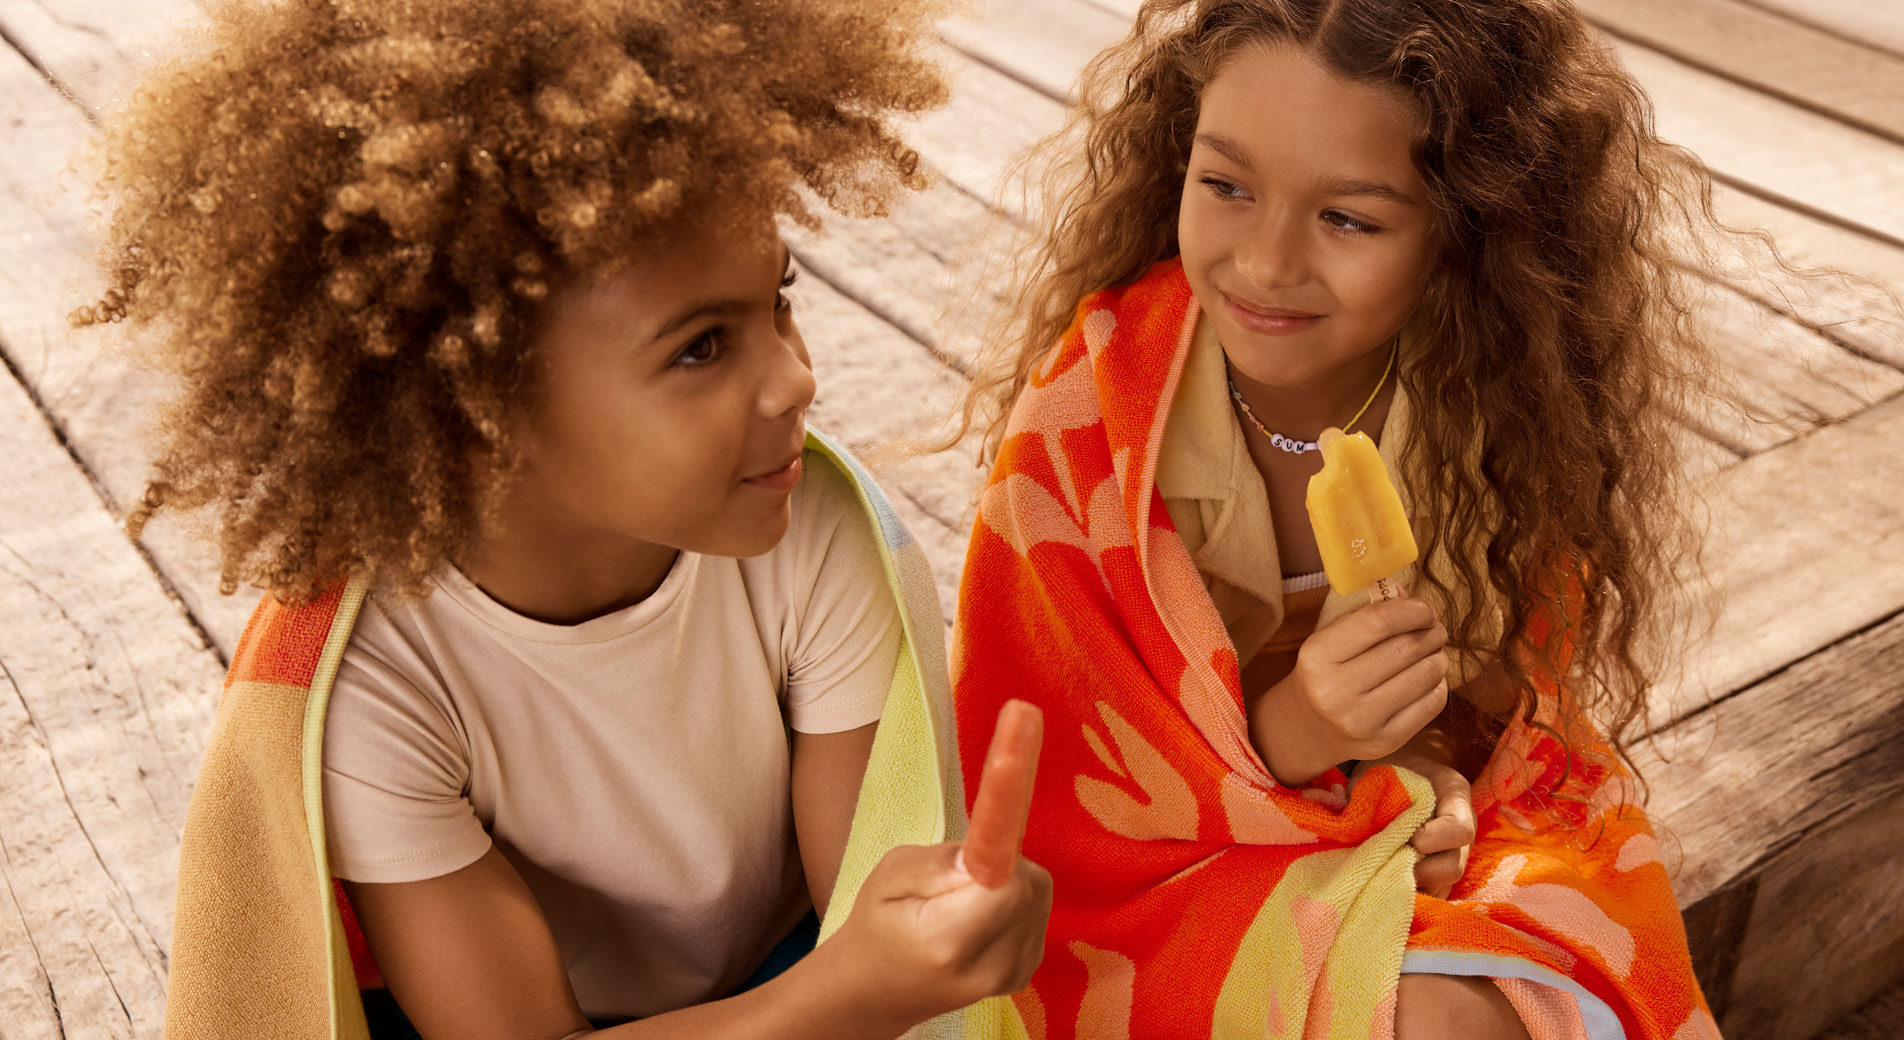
1196	896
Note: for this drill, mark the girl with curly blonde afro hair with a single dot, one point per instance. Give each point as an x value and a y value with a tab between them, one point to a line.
481	304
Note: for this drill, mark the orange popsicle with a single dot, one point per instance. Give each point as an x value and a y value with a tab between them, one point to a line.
1004	795
1358	518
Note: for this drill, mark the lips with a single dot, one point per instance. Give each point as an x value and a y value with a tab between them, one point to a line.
781	478
1271	321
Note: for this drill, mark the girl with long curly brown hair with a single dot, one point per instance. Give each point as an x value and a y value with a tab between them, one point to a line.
574	643
1447	224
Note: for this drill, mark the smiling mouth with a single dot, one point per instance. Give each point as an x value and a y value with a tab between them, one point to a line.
781	478
1268	312
1272	321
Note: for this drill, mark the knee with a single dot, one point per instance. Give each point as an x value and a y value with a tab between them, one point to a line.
1452	1007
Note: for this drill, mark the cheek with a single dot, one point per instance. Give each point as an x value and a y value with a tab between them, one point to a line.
1196	228
1384	284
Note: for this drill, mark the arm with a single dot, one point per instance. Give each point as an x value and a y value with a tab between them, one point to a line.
827	770
469	955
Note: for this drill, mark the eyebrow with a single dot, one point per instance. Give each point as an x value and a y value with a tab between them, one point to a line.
715	308
1338	186
1227	148
1334	186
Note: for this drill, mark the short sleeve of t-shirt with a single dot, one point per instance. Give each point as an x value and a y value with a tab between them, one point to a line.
392	765
846	630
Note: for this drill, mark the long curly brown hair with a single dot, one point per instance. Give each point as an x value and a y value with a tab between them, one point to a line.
339	216
1552	349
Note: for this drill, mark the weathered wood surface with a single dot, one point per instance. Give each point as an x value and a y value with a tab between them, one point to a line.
1846	80
1875	22
1881	1019
1784	839
1799	125
90	383
106	696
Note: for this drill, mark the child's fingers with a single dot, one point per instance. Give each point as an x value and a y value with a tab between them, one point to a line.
1441	834
1366	626
1453	825
1003	804
1438	872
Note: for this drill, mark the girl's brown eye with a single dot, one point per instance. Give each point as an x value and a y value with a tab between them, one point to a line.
1347	224
705	349
783	302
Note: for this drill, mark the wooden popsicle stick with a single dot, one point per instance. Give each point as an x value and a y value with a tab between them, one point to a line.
1003	804
1386	588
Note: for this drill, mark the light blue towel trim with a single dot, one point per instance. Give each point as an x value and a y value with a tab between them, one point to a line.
1601	1022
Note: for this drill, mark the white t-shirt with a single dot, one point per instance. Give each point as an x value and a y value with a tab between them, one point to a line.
632	768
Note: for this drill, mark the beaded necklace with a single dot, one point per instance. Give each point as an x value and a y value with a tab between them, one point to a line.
1296	447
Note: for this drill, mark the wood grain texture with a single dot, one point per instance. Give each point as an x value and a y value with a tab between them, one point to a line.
1881	1019
1778	807
1862	313
1040	43
1767	51
878	389
1877	23
1806	544
1835	901
90	382
1777	379
1740	781
106	694
1776	147
916	269
96	48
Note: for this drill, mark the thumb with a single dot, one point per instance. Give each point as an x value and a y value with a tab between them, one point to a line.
921	871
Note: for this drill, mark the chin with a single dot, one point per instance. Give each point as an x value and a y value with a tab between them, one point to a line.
742	537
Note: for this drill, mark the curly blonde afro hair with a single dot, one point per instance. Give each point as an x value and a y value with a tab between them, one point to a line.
338	217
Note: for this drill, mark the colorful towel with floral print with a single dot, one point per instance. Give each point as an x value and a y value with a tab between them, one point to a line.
1196	897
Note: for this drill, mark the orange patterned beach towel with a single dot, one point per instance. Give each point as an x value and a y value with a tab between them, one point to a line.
1196	897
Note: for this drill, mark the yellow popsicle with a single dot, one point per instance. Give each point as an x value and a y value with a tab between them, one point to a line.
1357	516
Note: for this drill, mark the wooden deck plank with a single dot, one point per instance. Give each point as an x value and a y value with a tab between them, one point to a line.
100	397
1769	52
976	139
1780	380
1877	23
106	695
908	268
1881	1019
1042	44
1806	545
1864	316
1782	839
96	46
1757	142
27	1002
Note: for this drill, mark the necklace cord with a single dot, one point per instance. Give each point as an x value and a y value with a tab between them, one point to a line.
1394	349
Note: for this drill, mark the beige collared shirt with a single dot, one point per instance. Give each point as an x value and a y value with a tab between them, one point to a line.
1217	500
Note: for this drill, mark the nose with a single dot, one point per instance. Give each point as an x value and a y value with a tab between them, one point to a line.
1275	255
788	386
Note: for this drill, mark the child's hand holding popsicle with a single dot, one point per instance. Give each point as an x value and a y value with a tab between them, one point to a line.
1363	686
935	929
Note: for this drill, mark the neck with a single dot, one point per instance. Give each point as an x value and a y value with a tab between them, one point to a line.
1303	410
544	564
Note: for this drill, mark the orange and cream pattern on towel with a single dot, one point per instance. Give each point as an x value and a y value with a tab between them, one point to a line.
1196	897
